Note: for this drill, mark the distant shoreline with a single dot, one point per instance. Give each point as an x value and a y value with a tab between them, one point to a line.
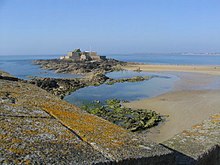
209	69
135	53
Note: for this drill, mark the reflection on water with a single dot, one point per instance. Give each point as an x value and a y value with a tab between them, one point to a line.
124	91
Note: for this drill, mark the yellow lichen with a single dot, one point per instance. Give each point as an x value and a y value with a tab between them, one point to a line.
197	126
190	133
17	151
27	162
87	125
30	132
3	136
16	140
215	118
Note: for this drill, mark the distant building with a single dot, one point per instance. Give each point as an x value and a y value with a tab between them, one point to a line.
77	55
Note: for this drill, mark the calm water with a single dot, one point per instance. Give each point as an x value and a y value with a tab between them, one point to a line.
162	83
22	67
169	59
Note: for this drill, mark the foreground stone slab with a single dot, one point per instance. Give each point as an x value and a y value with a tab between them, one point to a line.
42	141
39	128
198	145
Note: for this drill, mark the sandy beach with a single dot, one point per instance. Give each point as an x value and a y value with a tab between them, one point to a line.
194	97
213	70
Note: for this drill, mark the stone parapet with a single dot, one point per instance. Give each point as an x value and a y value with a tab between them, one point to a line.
198	145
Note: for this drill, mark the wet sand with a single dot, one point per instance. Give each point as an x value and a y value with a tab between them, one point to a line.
194	98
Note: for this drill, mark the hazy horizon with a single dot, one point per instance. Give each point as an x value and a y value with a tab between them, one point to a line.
53	27
140	53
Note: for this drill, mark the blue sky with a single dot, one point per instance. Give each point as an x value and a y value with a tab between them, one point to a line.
109	26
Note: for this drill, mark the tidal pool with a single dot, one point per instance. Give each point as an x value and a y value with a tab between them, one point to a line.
159	84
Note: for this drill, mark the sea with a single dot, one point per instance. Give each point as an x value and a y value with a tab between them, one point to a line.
22	66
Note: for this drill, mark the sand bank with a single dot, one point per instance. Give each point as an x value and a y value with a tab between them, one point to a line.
213	70
194	98
185	109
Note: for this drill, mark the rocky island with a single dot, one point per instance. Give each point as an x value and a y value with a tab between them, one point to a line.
93	68
77	62
89	65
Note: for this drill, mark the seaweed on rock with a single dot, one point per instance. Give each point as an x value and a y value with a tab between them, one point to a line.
115	112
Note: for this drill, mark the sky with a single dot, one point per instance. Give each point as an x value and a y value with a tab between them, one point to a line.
35	27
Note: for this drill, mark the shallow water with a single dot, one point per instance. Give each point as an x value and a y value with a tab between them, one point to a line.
129	91
22	67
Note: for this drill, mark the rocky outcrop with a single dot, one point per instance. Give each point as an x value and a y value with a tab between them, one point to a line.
80	67
7	76
63	87
93	71
132	79
58	87
4	74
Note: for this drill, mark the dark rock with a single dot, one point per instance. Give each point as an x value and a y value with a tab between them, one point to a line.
132	79
9	78
80	67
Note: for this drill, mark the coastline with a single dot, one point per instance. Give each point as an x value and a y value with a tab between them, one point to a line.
191	77
209	69
182	107
193	98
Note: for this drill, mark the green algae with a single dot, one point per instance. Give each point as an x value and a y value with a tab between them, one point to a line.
113	111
